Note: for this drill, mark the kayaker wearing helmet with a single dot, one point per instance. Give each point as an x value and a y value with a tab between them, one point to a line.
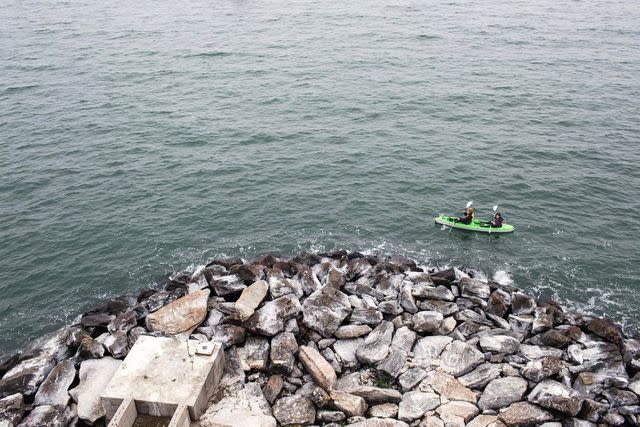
497	220
468	218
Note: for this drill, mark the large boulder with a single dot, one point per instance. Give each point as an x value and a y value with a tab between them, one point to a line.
606	329
345	350
499	344
502	392
457	413
524	414
427	321
25	377
94	375
283	350
48	415
230	284
250	299
376	345
375	395
350	404
271	317
239	407
481	376
55	389
325	309
11	409
318	367
448	386
553	395
460	358
428	349
538	369
296	409
181	315
415	404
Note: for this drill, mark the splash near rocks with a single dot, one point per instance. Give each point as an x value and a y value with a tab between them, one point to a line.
341	338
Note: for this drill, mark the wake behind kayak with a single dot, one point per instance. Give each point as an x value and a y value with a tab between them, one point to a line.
475	225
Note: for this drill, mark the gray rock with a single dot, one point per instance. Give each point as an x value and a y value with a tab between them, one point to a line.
26	376
48	415
283	350
403	339
498	303
376	346
532	352
55	389
272	388
618	397
279	287
320	370
522	303
457	413
350	404
346	351
366	316
245	404
181	315
256	352
446	308
481	376
117	344
521	324
225	334
390	307
394	362
295	409
351	331
229	284
429	292
523	414
325	416
90	348
428	349
427	321
94	376
473	288
406	299
375	395
378	422
502	392
542	320
545	367
249	300
123	322
384	410
447	326
12	409
325	309
499	344
271	317
415	404
448	386
460	358
410	378
553	395
468	315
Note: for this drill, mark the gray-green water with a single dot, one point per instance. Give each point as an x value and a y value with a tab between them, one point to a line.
138	138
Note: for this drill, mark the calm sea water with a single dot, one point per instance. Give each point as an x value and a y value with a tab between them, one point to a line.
139	138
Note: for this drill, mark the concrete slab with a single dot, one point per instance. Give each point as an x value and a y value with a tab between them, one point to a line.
160	374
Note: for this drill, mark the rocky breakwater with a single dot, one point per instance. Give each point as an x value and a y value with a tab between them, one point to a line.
344	338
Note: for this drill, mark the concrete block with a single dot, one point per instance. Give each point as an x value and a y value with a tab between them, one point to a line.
162	373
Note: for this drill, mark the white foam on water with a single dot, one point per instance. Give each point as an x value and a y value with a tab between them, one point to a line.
503	278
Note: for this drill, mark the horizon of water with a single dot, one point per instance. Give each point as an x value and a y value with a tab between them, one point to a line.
140	139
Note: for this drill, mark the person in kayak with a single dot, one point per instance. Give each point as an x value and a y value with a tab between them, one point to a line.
497	220
468	216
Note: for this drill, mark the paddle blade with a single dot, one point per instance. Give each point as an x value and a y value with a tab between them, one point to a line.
469	204
495	208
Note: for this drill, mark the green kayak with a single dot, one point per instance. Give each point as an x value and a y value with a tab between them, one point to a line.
476	225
